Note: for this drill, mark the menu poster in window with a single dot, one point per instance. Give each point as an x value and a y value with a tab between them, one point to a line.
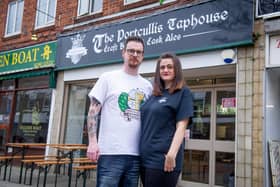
274	152
228	102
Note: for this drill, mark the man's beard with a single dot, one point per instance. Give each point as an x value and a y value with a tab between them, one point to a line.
133	65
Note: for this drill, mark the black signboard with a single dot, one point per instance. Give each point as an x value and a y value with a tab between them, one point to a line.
210	25
268	6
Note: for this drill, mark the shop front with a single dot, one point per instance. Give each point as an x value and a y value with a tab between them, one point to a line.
269	11
206	37
210	149
26	82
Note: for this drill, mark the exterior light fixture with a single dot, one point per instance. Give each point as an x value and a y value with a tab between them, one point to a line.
34	37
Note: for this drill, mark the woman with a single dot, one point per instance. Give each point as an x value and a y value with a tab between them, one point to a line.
164	118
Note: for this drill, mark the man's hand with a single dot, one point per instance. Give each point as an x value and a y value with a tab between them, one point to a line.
169	163
93	151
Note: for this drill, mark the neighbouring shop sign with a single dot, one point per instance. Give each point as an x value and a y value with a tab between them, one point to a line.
34	57
209	25
268	6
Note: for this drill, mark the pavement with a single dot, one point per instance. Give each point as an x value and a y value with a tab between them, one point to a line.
62	179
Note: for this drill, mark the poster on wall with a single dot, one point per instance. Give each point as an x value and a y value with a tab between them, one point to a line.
274	153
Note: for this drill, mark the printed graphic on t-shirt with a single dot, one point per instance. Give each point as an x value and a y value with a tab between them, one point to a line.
162	100
130	103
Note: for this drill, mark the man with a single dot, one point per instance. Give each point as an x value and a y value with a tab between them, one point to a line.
120	94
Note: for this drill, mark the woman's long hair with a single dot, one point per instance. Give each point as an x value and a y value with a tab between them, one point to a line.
178	81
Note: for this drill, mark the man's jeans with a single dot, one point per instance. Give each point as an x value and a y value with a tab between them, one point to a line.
118	171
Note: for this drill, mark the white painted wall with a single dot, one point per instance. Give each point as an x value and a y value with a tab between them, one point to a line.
190	61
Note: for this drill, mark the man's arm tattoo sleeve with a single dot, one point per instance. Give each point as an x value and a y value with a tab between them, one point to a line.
93	117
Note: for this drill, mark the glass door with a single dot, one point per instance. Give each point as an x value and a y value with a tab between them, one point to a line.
209	153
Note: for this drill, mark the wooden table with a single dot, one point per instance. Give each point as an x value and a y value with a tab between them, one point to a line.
67	150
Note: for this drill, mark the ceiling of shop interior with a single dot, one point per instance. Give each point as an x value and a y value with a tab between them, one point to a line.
224	70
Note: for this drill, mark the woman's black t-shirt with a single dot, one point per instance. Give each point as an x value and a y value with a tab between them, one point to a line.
159	116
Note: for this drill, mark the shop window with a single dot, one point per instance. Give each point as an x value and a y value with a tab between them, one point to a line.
41	81
7	85
225	80
199	81
206	81
89	7
268	7
5	107
45	13
31	116
2	139
14	17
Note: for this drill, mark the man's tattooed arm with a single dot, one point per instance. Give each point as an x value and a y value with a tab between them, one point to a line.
92	122
93	115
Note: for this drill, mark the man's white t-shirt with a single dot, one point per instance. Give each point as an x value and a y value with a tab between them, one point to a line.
121	96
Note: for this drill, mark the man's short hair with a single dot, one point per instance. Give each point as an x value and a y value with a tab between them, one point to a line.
135	39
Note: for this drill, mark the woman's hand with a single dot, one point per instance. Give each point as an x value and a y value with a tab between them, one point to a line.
169	163
170	157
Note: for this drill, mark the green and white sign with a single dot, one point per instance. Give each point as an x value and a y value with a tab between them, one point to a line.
29	58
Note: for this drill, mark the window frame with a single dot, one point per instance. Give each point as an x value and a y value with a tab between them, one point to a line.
128	2
16	14
264	15
89	8
46	15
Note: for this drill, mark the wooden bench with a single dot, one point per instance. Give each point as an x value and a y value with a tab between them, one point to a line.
82	171
7	157
7	160
46	164
30	164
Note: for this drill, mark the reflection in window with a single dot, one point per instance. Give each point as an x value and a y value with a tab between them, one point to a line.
45	13
41	81
226	109
89	6
7	85
14	18
130	1
76	120
5	107
200	126
224	170
196	166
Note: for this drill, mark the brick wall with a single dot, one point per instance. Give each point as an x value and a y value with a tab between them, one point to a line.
24	38
66	14
249	154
